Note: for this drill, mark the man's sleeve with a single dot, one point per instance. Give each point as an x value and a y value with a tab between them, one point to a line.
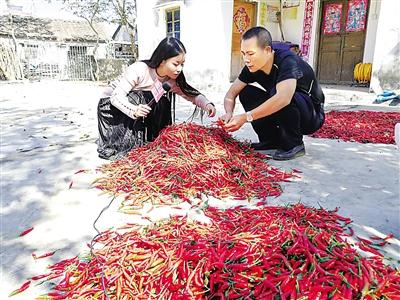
289	69
246	76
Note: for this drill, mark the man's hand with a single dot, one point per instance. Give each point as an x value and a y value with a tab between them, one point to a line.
226	117
142	111
235	123
210	109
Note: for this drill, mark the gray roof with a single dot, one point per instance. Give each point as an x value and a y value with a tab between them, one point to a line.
50	29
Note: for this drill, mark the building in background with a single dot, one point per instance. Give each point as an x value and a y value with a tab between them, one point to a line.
121	43
332	35
48	48
36	45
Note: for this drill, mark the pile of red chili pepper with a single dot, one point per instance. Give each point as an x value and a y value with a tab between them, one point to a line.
290	252
360	126
189	160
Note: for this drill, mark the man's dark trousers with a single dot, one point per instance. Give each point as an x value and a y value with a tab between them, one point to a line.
286	127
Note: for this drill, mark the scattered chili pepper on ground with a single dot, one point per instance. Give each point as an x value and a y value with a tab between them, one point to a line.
268	253
189	160
25	232
360	126
385	240
21	289
377	238
43	255
81	171
388	237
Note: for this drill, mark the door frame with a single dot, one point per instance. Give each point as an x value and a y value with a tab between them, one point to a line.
318	39
255	4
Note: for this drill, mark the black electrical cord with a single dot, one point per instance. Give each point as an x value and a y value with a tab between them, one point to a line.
92	242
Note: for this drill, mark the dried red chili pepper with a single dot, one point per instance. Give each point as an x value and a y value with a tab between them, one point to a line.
262	253
38	277
360	126
21	289
43	255
188	160
81	171
25	232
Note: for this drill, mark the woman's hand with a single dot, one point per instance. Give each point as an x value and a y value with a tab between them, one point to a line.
210	109
142	111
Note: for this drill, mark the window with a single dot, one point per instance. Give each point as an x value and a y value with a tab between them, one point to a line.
32	51
173	18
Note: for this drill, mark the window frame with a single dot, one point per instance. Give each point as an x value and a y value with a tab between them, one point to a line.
173	21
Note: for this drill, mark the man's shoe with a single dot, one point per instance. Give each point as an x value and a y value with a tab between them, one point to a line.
263	146
290	154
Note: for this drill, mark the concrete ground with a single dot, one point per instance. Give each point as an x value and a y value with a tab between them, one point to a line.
48	132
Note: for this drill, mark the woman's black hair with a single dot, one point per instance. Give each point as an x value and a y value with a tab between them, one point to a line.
167	48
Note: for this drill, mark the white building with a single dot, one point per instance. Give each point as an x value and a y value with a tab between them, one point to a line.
333	35
50	48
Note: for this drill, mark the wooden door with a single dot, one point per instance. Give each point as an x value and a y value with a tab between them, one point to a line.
244	17
342	38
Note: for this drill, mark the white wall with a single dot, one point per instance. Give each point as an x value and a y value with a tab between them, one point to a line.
122	35
148	27
101	51
386	62
372	27
293	28
272	27
207	35
206	32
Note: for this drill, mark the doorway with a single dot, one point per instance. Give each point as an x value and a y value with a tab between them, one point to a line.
342	39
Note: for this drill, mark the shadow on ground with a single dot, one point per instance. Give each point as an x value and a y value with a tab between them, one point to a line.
361	179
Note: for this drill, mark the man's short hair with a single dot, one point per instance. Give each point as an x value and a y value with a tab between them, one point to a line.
263	36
